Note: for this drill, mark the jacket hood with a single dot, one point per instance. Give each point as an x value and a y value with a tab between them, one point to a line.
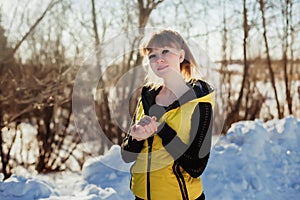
198	89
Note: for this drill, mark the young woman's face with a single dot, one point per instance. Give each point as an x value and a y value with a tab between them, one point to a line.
165	61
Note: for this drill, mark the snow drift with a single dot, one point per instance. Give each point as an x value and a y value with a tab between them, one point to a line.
255	160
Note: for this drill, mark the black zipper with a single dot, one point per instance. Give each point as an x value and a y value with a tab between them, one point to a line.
150	141
181	181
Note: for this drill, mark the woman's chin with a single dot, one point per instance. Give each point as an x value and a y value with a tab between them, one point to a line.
162	73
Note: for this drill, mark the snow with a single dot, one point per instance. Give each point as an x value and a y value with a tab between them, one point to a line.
255	160
18	187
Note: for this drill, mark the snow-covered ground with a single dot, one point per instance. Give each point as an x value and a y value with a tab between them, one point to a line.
255	160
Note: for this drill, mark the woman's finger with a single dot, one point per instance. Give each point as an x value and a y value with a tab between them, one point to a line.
153	118
142	123
144	128
145	120
154	123
139	139
151	127
133	128
148	129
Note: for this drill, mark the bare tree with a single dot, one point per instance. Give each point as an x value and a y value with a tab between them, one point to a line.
145	9
38	92
287	14
134	58
234	114
32	28
272	76
104	110
5	147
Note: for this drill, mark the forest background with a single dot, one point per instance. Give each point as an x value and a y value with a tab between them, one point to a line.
67	68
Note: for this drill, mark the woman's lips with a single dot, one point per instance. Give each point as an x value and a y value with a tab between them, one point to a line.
162	67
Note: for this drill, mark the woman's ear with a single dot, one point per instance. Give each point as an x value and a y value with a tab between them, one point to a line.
181	55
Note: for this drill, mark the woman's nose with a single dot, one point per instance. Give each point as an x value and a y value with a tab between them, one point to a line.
160	59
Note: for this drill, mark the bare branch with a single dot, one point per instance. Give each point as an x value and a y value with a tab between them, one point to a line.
31	29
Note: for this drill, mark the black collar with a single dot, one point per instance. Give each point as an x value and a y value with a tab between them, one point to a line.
198	88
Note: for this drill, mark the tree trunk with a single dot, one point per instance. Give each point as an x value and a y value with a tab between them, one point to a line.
45	139
262	9
104	115
285	12
4	162
145	9
234	114
292	32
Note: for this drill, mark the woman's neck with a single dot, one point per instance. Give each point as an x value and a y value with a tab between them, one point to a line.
176	86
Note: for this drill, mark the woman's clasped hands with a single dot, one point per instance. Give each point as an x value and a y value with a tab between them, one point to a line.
145	128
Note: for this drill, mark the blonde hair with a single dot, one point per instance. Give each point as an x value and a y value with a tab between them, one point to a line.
173	39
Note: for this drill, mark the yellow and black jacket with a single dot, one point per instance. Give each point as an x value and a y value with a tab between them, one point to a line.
168	165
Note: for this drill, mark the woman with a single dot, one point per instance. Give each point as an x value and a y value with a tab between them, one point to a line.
170	140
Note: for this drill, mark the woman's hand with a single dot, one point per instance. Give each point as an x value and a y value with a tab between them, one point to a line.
145	128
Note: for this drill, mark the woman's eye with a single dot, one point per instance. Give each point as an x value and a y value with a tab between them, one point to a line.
165	51
151	56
